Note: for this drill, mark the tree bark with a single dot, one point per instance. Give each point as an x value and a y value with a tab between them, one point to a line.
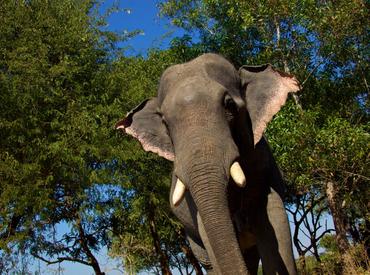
316	251
302	263
163	257
191	258
12	227
83	242
339	219
93	262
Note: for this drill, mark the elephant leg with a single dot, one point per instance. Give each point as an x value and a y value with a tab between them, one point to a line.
273	237
252	259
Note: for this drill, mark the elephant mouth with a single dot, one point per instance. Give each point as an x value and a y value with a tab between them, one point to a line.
236	173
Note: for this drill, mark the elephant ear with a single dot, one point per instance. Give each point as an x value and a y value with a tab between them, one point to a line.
265	90
145	124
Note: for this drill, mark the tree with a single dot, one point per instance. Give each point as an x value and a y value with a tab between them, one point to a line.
306	212
53	125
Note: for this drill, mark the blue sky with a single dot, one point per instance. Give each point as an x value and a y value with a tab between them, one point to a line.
143	15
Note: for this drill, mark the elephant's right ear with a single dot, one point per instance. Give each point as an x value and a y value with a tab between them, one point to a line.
145	124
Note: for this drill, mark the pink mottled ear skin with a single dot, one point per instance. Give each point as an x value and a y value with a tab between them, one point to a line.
266	91
147	146
145	124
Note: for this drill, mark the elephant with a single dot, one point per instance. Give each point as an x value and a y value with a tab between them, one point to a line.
208	118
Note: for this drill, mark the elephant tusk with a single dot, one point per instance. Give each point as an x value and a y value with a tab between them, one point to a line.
178	192
237	174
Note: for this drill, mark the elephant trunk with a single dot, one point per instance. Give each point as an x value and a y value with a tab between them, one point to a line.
204	167
209	191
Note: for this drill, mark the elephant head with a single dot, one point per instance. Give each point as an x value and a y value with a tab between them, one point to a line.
207	115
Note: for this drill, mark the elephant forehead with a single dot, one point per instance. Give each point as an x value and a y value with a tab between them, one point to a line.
206	68
194	91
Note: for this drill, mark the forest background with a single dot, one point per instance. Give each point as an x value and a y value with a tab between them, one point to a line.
66	78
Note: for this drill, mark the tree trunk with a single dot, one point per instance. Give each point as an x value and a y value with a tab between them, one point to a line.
339	219
316	251
163	257
191	258
302	264
83	242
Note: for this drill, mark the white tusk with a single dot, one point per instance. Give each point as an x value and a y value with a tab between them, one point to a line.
237	174
178	192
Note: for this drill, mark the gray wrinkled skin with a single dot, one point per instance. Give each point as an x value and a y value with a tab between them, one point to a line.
207	116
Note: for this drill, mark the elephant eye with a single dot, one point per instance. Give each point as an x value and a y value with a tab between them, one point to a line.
230	104
231	109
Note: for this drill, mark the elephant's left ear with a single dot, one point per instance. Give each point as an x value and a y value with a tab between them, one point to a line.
146	125
265	90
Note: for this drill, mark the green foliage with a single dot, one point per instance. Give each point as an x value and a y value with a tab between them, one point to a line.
324	150
55	130
356	260
62	163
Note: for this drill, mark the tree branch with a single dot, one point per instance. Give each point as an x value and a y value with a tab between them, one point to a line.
323	233
60	259
83	242
309	75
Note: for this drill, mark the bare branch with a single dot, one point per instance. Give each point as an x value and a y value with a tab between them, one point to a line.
357	175
60	259
290	211
312	71
323	233
83	242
